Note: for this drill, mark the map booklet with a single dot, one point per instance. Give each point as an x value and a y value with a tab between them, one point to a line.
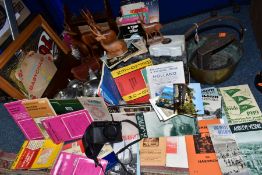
37	154
240	104
229	156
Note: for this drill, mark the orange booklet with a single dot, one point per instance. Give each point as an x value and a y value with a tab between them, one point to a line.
202	158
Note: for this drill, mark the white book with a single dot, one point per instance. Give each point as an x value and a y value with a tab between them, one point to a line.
176	153
162	75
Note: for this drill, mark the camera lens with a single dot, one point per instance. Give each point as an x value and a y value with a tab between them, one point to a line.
110	132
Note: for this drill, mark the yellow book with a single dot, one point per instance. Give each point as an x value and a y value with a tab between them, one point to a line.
37	154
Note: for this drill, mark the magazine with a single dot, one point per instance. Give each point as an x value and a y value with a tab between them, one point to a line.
228	154
151	126
248	138
240	104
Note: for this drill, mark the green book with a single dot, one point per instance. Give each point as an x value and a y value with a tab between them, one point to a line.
240	105
66	105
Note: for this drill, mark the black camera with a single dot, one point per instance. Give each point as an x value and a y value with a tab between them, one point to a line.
104	131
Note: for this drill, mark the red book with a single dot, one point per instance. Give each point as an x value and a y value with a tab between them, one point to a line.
130	82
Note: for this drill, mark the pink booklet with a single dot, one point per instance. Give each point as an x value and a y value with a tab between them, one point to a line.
69	126
68	164
23	120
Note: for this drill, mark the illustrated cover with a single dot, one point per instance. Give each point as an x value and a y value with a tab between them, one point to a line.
39	110
37	154
150	126
176	153
212	106
6	161
200	152
153	151
162	75
130	82
210	91
96	107
188	99
107	88
66	127
23	120
68	164
129	157
228	154
240	104
127	9
248	138
62	106
75	147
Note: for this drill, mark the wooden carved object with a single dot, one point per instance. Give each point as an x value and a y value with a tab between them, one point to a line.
152	31
108	39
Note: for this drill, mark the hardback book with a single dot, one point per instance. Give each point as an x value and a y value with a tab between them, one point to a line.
67	127
68	164
201	155
96	107
240	104
37	154
162	75
39	109
153	151
24	121
151	127
62	106
230	158
248	138
130	82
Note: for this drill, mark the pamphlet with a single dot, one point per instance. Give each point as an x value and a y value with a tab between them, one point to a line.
162	75
23	120
66	127
228	154
212	106
240	104
96	107
62	106
37	154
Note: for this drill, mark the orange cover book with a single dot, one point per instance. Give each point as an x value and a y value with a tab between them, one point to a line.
202	158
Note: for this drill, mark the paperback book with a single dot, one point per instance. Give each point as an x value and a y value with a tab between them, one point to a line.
37	154
67	127
228	154
151	127
68	164
200	151
130	82
24	121
162	75
248	138
240	104
96	107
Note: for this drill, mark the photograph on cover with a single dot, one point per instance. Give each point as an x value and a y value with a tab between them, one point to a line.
177	126
203	143
250	145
